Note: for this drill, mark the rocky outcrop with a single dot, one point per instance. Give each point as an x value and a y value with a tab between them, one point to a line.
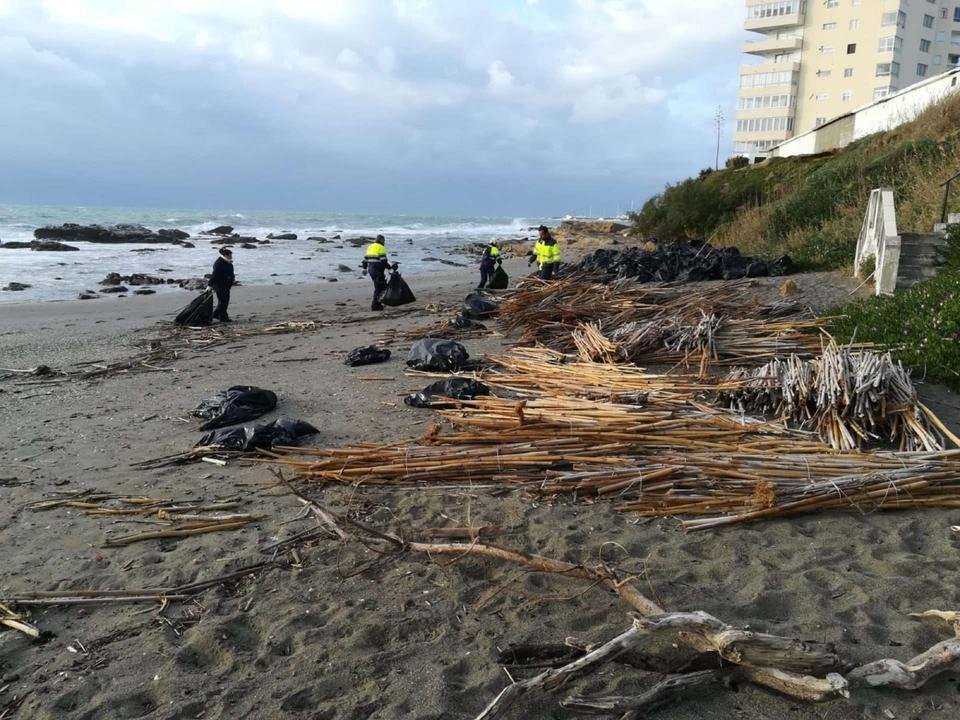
39	245
16	287
122	233
116	289
282	236
220	230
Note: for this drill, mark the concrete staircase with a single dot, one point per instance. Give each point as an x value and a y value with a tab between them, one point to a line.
921	256
900	260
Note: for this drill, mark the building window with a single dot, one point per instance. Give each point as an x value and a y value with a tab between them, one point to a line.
851	48
764	124
768	78
937	60
848	72
943	13
890	68
846	96
928	21
832	3
953	59
830	26
956	14
774	9
921	70
854	24
824	73
880	92
924	46
819	121
826	50
890	43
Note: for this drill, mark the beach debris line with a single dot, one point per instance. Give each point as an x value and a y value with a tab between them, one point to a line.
234	405
851	399
15	621
440	393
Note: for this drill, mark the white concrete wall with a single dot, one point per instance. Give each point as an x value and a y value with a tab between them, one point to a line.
905	106
885	114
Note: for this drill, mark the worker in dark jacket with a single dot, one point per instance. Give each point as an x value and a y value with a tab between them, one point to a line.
375	265
221	280
488	263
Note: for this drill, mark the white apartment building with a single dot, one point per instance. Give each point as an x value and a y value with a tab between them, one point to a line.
817	59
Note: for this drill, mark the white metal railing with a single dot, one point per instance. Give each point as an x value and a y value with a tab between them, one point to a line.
879	240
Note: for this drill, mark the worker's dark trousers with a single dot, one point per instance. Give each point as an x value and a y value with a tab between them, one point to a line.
486	274
546	272
223	302
379	285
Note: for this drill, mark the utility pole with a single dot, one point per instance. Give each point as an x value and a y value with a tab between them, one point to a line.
718	120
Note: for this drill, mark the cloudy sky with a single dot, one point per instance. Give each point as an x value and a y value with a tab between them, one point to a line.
498	107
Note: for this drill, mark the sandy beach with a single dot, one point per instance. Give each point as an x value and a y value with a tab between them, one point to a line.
338	633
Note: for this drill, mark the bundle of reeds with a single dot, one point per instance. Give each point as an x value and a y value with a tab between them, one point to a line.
851	398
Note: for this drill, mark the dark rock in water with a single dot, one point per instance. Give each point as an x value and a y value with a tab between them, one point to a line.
195	284
116	289
319	239
249	246
40	245
221	230
164	269
146	250
87	296
224	241
344	268
332	280
184	244
144	291
16	287
136	279
306	258
121	233
336	237
441	260
173	233
360	241
282	236
263	242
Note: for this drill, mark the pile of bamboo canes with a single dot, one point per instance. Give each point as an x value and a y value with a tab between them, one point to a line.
851	399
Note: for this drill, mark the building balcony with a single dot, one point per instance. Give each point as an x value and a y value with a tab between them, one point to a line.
746	113
774	135
771	46
778	22
768	67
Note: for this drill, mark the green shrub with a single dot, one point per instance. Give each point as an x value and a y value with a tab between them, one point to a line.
737	162
920	325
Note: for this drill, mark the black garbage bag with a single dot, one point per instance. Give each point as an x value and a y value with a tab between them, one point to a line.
368	355
757	269
500	279
464	323
397	292
476	307
436	354
198	312
235	405
455	387
282	431
783	265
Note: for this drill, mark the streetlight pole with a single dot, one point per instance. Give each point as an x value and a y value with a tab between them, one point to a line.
718	121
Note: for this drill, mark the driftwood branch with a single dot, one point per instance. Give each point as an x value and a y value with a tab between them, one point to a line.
667	690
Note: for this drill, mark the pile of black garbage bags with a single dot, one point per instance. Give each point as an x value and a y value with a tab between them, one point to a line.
683	262
226	415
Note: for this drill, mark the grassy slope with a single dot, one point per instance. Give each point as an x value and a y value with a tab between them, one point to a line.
812	207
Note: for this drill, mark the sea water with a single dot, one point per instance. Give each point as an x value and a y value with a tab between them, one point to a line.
411	240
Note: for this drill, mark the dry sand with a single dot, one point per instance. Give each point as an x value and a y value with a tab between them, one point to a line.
404	638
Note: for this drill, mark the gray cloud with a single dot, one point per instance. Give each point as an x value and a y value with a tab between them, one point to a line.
505	107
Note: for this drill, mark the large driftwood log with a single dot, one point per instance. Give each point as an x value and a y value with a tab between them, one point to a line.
912	674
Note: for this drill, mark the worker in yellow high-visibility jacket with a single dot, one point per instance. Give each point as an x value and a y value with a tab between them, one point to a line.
375	265
547	253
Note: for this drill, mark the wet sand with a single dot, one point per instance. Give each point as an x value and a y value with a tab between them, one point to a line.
407	638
